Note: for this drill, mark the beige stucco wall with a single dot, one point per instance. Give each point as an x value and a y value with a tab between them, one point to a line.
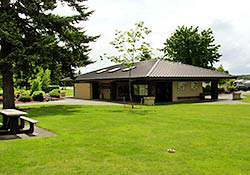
83	90
187	91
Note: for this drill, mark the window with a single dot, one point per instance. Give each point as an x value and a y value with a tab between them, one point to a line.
114	69
101	71
129	68
194	85
181	86
141	89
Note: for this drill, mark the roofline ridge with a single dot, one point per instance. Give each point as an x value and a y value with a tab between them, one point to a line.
203	68
153	67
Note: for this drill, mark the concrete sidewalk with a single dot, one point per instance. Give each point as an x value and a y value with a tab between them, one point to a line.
74	101
38	133
223	99
228	99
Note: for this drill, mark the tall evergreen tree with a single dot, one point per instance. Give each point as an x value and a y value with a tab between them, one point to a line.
32	35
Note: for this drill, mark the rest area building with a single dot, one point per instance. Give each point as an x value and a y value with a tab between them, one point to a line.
164	80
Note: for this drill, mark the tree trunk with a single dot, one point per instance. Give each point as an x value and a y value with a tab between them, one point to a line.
6	68
8	87
130	90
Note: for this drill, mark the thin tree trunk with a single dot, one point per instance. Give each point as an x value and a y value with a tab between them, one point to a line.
130	90
8	87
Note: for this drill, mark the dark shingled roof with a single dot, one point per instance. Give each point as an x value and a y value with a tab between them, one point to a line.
155	69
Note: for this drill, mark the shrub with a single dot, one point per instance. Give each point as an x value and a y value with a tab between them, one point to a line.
55	93
28	92
45	77
24	98
36	85
38	95
231	88
221	89
19	93
42	81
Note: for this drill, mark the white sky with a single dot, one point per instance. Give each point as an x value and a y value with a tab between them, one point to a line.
229	20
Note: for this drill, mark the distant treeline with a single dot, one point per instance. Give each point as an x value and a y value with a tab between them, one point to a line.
245	77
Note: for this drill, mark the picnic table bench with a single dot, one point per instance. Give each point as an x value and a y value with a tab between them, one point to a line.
11	118
31	122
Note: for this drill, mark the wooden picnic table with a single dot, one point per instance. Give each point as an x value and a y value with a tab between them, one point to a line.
11	120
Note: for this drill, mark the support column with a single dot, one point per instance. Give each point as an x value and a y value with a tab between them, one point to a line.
74	89
151	89
113	89
214	90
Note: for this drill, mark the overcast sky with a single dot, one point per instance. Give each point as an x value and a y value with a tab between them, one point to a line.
229	20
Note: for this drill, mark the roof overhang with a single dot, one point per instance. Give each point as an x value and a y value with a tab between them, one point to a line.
160	78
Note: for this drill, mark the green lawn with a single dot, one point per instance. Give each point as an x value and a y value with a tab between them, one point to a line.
69	92
208	139
247	99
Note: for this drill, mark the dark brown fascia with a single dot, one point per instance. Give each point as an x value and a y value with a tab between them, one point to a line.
162	78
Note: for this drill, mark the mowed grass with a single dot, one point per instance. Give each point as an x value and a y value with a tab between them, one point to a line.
208	139
69	92
247	99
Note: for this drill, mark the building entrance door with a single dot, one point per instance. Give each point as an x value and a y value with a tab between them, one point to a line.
163	92
95	92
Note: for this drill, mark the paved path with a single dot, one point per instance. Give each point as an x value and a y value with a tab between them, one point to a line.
227	99
38	133
73	101
223	99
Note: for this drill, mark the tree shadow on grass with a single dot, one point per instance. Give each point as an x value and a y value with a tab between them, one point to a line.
67	110
51	110
140	112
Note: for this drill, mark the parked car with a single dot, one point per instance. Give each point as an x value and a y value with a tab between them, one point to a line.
242	84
